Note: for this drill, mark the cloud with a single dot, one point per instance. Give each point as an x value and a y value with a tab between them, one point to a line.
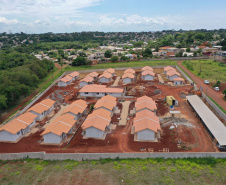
5	21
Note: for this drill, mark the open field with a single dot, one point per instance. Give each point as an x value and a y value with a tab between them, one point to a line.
210	70
190	130
123	64
105	171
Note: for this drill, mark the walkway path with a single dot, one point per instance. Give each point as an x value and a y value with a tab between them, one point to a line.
124	114
116	81
216	96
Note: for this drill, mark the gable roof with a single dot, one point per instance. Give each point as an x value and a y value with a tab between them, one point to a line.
128	75
18	123
62	124
76	107
105	75
146	124
165	47
103	113
96	122
100	88
170	54
106	102
74	74
168	68
110	70
145	105
42	106
129	71
172	72
146	114
147	68
87	79
145	98
93	74
148	72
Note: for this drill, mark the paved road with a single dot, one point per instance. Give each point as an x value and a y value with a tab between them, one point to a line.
216	96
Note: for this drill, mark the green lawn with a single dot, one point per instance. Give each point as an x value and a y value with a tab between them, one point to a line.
210	70
123	64
127	171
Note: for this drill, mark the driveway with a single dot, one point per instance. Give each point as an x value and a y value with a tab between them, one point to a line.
216	96
124	114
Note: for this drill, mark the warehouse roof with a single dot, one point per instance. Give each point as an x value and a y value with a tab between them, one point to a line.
215	126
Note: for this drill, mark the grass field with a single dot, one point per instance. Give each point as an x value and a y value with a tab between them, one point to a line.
210	70
123	64
127	171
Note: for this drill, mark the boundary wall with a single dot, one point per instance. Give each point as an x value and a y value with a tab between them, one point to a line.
98	156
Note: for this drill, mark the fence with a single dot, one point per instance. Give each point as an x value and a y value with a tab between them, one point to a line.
97	156
214	106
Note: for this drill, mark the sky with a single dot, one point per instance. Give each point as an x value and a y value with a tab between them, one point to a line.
60	16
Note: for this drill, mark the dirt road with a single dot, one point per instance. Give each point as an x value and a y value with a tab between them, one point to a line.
216	96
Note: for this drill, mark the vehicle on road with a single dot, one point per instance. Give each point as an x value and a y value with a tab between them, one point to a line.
206	81
216	88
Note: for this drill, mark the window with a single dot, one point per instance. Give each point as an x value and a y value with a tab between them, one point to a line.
86	93
18	133
97	93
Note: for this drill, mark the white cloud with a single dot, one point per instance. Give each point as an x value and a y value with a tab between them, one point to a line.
5	21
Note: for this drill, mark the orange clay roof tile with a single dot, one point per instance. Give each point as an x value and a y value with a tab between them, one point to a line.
44	105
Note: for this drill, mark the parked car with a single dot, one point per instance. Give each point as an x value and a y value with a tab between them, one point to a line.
206	81
216	88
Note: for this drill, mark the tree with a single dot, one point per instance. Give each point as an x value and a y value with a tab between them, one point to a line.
79	61
188	49
114	59
157	48
147	52
185	55
3	105
195	54
89	62
180	54
224	92
108	54
82	54
124	57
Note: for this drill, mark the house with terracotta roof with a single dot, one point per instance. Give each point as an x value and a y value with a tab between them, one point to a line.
94	90
105	77
65	81
74	75
111	71
173	74
147	68
94	75
76	109
57	131
97	125
42	108
147	75
145	103
129	71
168	68
128	78
16	128
107	103
146	127
178	81
86	81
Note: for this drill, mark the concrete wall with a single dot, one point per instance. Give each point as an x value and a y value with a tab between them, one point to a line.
213	105
104	80
52	138
146	135
127	80
82	84
7	136
189	79
172	77
62	84
97	156
147	77
94	133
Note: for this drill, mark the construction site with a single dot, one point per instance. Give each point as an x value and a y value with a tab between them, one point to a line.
179	128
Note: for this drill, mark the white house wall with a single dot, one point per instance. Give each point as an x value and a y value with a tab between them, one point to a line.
148	77
62	84
82	84
104	80
172	77
52	138
127	80
94	133
146	135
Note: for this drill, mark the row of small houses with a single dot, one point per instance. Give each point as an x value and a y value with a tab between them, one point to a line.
22	124
128	76
97	124
146	125
68	79
173	75
58	131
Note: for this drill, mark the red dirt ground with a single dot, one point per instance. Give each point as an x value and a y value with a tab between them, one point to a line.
121	139
216	96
